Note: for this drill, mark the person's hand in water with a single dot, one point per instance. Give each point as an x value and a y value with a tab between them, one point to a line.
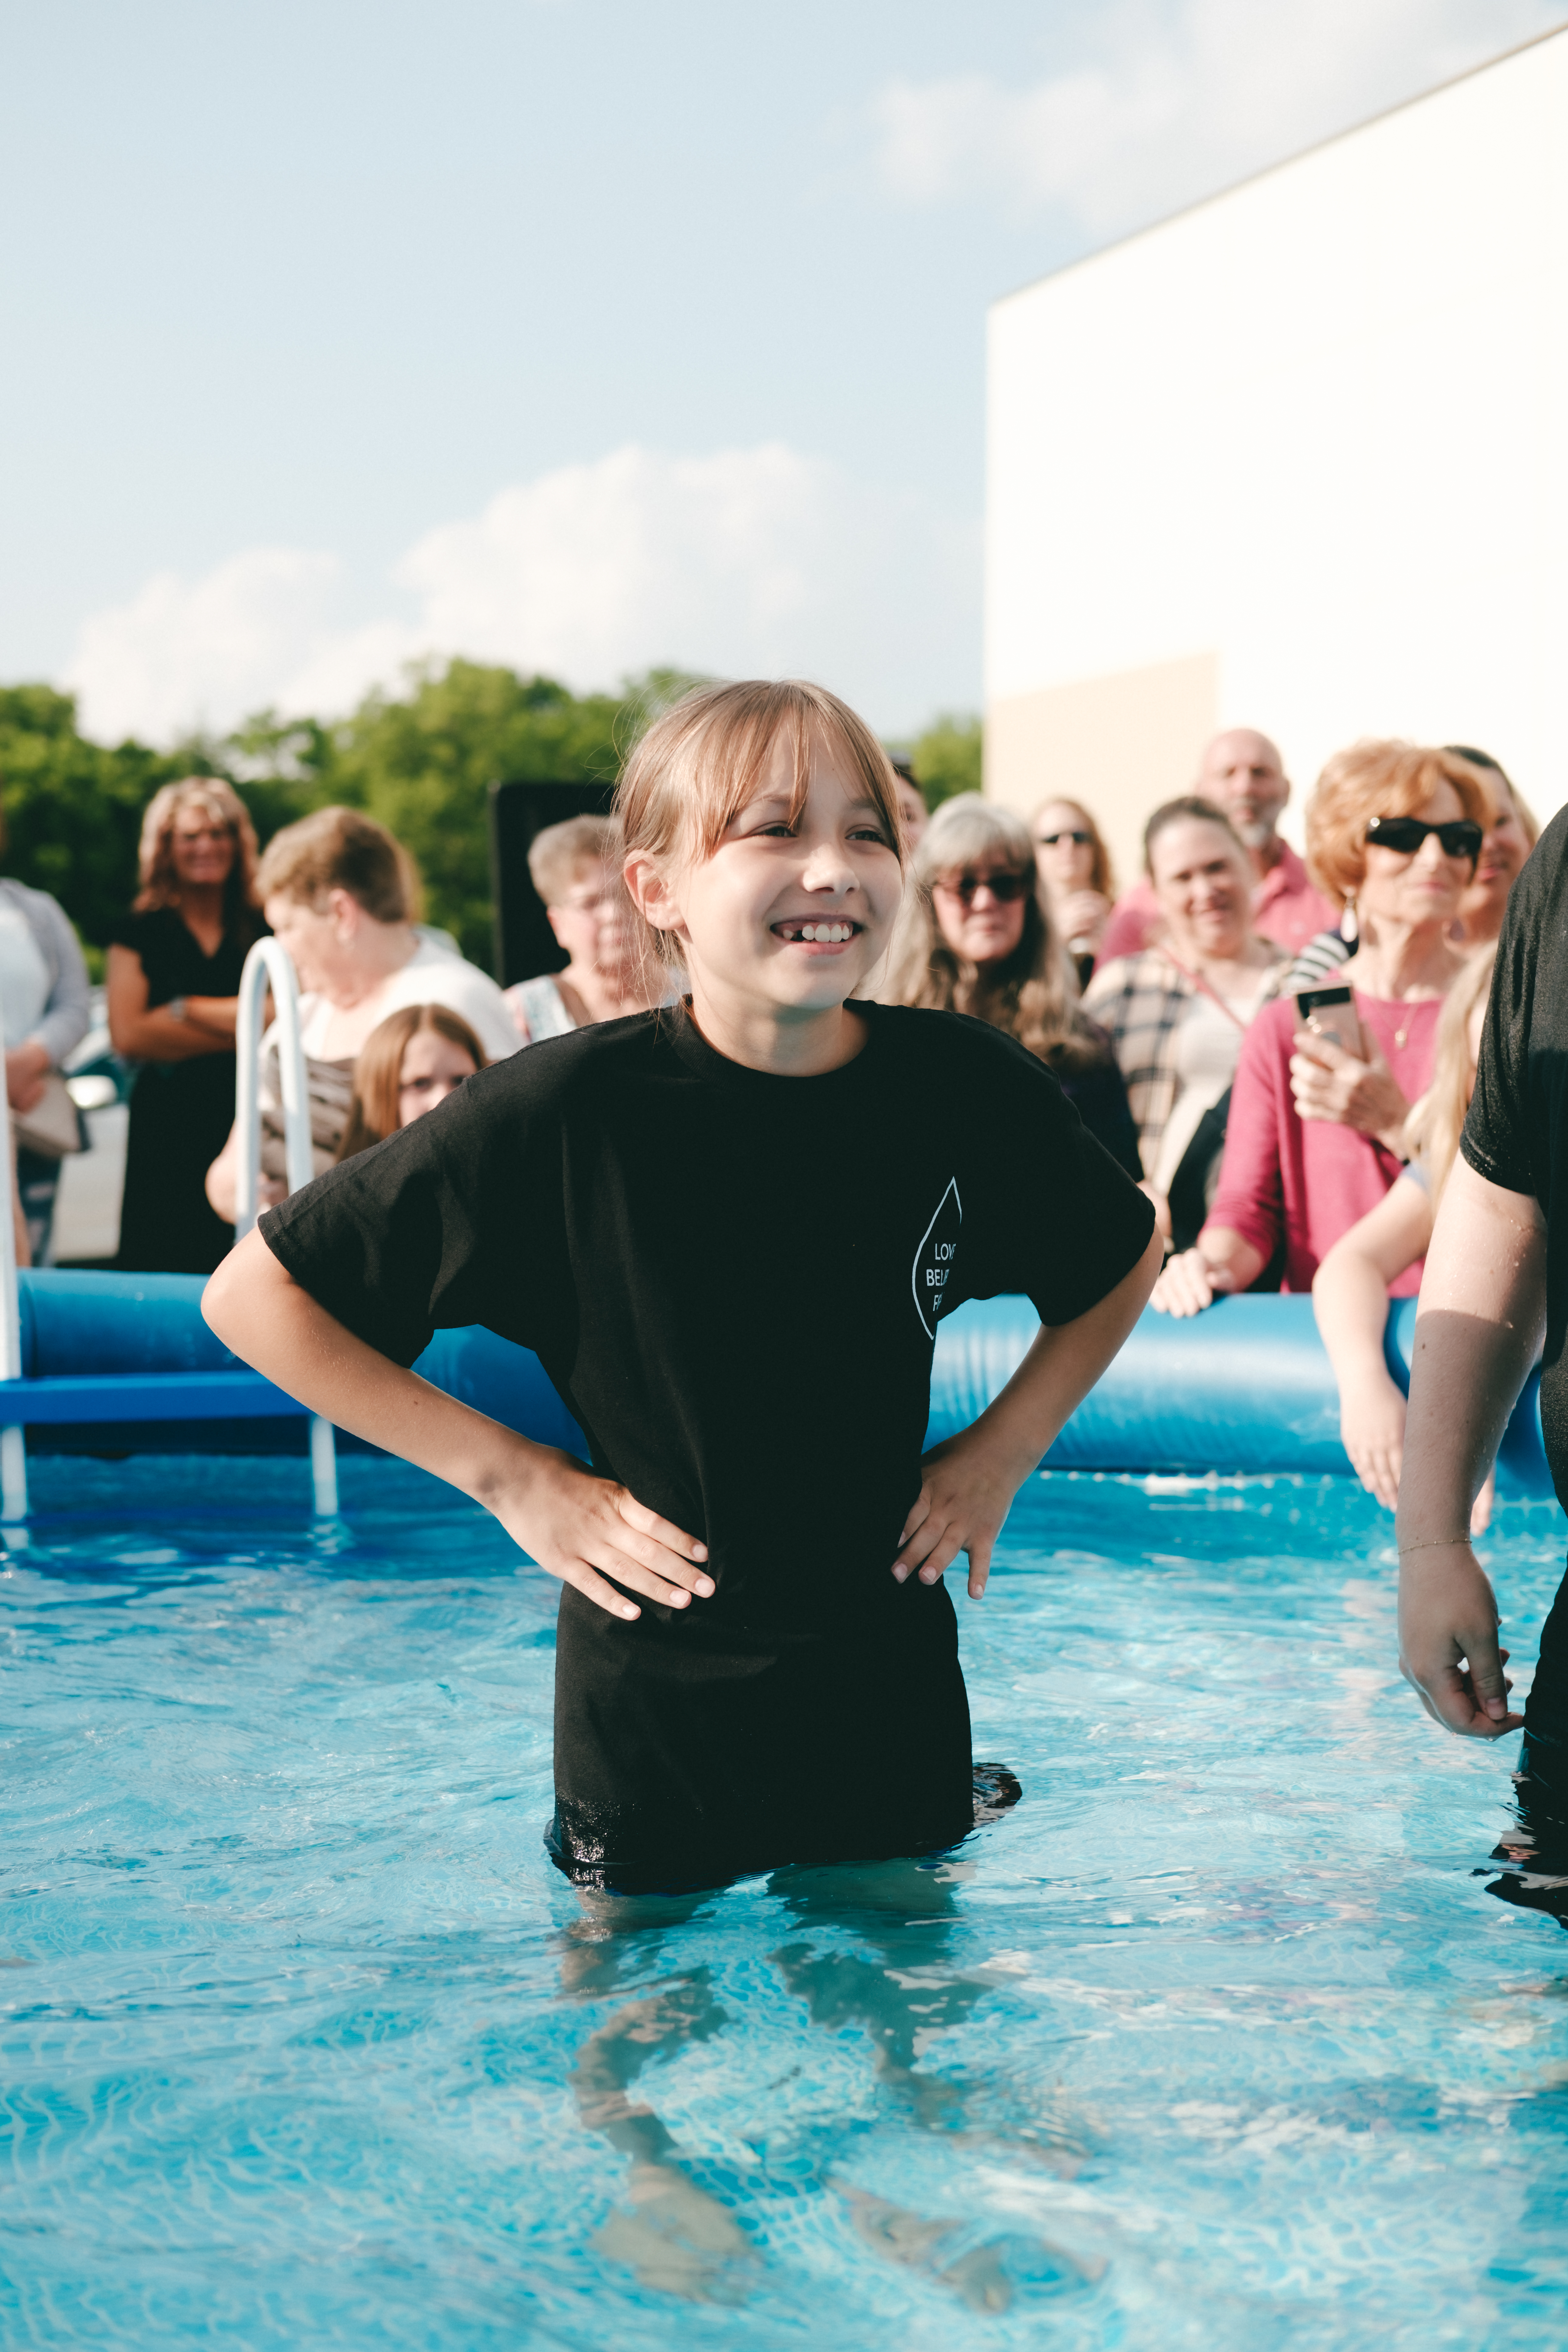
586	1530
1448	1642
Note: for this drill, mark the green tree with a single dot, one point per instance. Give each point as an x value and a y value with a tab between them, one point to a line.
946	758
423	764
73	808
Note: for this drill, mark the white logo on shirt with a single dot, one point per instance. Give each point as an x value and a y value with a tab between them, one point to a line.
934	1259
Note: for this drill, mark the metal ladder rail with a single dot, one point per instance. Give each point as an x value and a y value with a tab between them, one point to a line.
12	1436
267	966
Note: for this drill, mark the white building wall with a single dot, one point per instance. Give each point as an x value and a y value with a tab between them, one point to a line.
1295	459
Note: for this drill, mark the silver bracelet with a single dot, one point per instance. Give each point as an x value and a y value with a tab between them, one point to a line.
1433	1543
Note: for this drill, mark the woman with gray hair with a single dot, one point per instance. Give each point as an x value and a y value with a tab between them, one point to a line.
978	938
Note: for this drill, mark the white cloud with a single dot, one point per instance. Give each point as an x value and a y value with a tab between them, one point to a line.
750	560
1182	101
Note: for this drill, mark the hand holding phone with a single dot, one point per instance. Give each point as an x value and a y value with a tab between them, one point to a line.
1330	1013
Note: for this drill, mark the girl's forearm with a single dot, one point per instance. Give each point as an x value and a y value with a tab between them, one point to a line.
1350	1301
1062	1366
256	1308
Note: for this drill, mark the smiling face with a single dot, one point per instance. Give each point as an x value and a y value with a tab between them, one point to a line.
786	919
1503	852
433	1067
1205	887
1422	889
1241	770
201	849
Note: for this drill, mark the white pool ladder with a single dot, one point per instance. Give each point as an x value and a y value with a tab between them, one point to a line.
13	1436
267	966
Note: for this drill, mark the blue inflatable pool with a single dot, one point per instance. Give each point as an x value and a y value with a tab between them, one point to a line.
124	1363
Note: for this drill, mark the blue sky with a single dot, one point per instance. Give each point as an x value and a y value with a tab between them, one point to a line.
579	333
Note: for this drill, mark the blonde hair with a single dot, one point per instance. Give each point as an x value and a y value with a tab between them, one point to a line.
1032	994
1490	768
342	849
158	883
1379	779
1433	1129
378	1072
559	854
1103	877
700	762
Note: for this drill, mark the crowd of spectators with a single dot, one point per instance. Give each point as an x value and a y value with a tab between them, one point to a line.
1279	1049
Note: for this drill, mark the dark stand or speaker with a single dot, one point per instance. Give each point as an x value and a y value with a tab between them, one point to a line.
525	944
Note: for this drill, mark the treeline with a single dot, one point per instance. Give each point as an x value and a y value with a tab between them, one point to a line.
420	761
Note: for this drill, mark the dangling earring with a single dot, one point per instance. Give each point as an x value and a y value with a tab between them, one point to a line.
1349	929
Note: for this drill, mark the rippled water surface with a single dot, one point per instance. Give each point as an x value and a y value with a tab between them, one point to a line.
1218	2040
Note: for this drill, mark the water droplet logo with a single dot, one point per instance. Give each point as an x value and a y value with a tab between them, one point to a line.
935	1259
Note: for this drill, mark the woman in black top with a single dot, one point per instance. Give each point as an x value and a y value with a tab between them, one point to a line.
174	982
729	1229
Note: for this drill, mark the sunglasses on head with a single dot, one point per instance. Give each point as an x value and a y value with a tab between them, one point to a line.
1049	840
1461	837
1004	888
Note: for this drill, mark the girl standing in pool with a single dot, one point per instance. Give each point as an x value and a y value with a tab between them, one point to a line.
728	1229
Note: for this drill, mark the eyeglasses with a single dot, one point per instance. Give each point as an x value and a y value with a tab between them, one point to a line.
1461	837
1004	888
1049	840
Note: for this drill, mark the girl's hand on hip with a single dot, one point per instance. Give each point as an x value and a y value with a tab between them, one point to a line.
585	1529
966	1493
1447	1642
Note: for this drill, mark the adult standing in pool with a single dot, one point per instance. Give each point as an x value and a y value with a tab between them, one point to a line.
174	993
1496	1287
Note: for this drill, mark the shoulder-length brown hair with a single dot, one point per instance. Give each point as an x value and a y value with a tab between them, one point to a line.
1378	778
1032	994
1103	877
378	1072
155	855
700	763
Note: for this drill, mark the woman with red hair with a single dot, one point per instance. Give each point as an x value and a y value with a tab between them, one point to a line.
1316	1130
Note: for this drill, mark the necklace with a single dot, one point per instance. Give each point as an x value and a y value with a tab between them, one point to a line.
1401	1034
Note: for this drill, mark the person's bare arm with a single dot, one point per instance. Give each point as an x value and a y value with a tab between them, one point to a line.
1222	1262
1477	1332
1350	1299
970	1479
160	1036
580	1527
221	1182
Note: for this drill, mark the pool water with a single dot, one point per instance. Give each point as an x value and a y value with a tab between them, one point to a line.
1218	2039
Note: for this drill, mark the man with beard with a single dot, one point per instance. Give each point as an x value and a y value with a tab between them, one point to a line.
1242	774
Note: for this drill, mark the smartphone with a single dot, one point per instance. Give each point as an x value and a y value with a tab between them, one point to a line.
1330	1013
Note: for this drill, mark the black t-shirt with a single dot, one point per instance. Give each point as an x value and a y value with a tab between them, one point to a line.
1518	1114
732	1278
175	960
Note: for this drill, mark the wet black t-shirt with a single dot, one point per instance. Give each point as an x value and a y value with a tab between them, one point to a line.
1518	1122
734	1280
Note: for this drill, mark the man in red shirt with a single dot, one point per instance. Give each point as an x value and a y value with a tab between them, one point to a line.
1242	772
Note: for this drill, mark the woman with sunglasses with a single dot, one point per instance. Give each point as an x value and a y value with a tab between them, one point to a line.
1317	1126
1075	869
977	938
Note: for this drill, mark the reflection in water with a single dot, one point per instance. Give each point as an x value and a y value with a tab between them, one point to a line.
1535	1850
900	1988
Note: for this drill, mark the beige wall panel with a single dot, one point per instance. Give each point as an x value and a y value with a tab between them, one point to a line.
1121	744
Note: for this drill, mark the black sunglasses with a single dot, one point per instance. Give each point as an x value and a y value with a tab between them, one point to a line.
1461	837
1049	840
1004	888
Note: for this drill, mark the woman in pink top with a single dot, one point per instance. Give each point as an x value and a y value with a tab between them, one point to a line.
1316	1133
